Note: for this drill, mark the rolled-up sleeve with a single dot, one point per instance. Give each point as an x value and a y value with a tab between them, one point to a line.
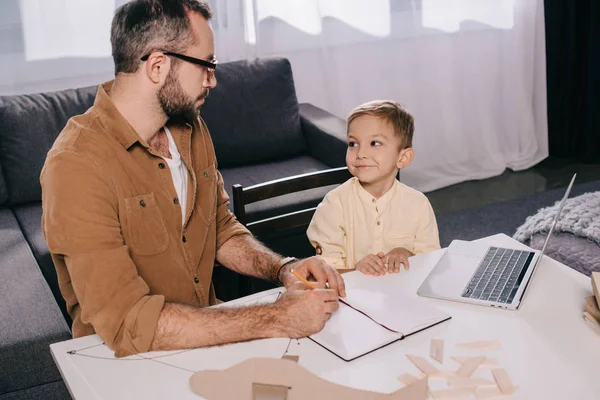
227	224
81	226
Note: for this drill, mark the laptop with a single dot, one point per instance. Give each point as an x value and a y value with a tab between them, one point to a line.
476	273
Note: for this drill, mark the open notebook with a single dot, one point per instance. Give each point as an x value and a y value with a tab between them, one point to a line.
375	313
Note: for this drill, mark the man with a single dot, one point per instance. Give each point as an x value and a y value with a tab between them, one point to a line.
134	210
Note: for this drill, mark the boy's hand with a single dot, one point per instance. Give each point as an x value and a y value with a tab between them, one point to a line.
395	258
372	265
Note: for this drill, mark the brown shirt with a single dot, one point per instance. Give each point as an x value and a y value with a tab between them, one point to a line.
112	222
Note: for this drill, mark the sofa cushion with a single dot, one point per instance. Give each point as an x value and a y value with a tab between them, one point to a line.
3	188
29	124
252	114
259	173
29	317
29	217
50	391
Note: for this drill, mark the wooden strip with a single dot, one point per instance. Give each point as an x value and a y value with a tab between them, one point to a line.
469	366
481	346
407	379
596	286
469	382
488	362
489	393
425	366
437	350
503	380
592	307
454	393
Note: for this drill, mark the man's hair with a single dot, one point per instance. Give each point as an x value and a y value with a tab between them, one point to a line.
140	27
402	122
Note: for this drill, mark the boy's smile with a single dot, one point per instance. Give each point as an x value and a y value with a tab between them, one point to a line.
375	153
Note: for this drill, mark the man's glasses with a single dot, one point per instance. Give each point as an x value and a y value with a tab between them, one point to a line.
210	66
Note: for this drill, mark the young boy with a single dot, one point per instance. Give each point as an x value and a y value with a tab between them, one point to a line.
372	222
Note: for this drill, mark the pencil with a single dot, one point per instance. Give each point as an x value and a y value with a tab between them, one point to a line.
307	283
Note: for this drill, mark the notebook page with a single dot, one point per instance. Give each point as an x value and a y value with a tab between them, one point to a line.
350	334
381	300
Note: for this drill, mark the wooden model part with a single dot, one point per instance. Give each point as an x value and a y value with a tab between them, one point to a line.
257	378
596	286
488	362
437	350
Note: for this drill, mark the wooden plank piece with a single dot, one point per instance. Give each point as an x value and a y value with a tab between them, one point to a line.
453	393
503	381
469	366
437	350
425	366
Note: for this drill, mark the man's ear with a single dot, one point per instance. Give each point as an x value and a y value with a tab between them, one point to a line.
406	157
157	67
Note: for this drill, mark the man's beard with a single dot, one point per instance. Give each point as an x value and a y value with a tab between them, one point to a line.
175	104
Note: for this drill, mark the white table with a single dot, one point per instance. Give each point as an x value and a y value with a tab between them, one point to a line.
548	349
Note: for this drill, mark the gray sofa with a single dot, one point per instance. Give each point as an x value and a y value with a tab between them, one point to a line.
260	133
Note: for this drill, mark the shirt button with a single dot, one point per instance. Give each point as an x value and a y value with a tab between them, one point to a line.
373	200
142	203
161	165
183	239
378	222
206	174
176	200
196	279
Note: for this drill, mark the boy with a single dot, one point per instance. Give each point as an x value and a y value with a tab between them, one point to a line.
372	222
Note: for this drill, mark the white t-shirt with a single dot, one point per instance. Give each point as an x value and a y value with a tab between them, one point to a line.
179	173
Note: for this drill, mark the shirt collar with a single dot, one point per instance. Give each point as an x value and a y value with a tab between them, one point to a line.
369	199
115	123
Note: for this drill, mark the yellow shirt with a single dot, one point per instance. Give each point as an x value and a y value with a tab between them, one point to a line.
350	223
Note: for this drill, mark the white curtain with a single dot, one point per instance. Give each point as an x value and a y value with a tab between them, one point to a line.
472	72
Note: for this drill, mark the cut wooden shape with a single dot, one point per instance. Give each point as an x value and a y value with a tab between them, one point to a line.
239	382
503	381
468	367
420	362
596	286
591	321
481	345
488	362
489	393
592	307
407	379
453	393
437	350
443	375
291	357
269	392
469	382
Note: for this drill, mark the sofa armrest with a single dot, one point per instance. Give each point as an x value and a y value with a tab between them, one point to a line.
325	134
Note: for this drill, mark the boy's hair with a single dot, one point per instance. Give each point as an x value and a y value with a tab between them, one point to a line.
391	111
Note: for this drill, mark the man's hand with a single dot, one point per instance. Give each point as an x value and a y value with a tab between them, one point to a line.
314	269
302	311
395	258
372	264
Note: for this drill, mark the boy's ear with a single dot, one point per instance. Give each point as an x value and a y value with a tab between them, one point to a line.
405	158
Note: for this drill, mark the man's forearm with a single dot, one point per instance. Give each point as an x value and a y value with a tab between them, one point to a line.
246	255
185	327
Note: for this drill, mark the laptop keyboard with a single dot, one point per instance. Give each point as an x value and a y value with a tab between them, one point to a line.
499	275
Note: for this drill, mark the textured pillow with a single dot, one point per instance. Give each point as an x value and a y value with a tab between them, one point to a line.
252	114
29	124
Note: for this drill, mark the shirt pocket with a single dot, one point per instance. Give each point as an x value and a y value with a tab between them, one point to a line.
206	199
146	232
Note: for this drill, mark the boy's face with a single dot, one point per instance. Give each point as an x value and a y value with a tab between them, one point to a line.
374	151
